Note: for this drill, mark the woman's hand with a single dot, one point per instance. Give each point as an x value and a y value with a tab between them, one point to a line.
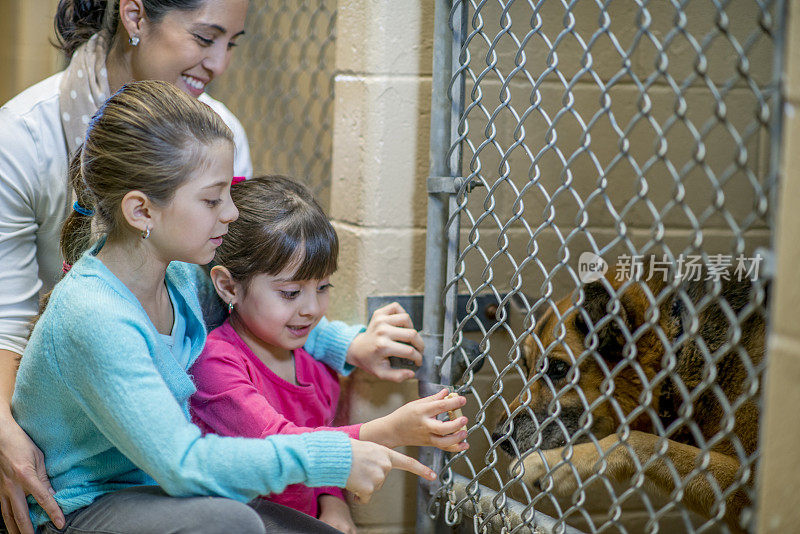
415	423
372	463
22	472
335	512
389	333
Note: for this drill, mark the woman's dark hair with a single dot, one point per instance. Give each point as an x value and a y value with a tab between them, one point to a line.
77	20
278	218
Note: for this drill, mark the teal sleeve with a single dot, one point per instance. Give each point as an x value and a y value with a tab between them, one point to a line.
329	341
115	380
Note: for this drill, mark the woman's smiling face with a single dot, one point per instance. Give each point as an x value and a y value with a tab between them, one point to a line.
189	48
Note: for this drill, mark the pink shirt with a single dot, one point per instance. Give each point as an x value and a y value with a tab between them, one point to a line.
238	395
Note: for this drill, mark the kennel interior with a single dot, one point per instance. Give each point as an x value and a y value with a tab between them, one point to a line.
635	131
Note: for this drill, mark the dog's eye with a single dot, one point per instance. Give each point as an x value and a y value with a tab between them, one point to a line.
557	369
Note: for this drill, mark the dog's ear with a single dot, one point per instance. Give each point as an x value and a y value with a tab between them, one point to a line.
610	337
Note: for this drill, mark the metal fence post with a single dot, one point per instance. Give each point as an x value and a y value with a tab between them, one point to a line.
444	110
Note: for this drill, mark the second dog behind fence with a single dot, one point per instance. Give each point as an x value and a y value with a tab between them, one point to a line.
644	379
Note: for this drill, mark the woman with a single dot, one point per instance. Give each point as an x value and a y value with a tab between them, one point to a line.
110	43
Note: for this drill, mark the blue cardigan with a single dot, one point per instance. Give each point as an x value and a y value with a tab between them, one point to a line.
106	401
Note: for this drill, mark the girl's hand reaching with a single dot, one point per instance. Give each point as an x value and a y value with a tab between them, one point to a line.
335	512
415	423
372	463
389	333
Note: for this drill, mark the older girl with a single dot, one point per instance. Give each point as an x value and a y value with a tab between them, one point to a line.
102	386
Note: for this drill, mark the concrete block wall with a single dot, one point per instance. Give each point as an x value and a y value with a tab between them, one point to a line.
378	198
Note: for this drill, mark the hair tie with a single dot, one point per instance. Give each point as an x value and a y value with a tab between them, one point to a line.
237	179
80	209
65	267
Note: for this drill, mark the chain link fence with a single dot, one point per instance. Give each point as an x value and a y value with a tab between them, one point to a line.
280	86
619	163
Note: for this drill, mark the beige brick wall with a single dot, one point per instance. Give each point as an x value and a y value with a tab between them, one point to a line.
380	148
378	197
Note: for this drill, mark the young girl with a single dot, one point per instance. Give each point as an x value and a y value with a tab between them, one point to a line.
102	387
253	378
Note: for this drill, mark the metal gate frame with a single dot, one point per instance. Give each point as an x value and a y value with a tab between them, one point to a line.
442	244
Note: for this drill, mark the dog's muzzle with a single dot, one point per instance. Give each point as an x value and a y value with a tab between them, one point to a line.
525	432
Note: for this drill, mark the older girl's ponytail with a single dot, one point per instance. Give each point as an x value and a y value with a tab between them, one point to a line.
76	234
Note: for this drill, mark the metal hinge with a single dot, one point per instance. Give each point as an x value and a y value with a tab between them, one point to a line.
451	184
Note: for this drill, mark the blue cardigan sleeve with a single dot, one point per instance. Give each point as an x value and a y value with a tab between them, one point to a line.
328	343
106	360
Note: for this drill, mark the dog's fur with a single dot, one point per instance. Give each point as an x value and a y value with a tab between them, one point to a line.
598	324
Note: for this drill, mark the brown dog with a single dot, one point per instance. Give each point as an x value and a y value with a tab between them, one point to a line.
650	334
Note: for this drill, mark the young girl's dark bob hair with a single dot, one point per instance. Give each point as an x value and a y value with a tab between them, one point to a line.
280	226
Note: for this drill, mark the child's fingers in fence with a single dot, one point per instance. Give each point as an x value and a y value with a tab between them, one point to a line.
452	443
442	393
447	428
441	402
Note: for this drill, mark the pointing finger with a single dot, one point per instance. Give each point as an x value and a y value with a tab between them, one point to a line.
406	463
